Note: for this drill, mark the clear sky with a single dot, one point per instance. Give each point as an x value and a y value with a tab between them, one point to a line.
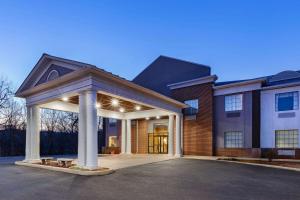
238	39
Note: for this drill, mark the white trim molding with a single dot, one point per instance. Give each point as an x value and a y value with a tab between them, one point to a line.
197	81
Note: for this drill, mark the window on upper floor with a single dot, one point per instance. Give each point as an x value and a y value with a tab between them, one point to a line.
234	102
287	101
233	139
193	107
287	138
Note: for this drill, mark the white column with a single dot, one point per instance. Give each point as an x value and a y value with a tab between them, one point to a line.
178	135
128	135
28	136
171	135
35	126
91	130
82	130
123	139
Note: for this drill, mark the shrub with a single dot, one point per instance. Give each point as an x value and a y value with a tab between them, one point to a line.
271	154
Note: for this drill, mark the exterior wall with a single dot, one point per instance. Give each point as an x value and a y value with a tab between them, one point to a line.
197	132
139	137
247	121
224	123
270	121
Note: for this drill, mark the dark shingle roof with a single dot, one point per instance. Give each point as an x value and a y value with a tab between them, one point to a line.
165	70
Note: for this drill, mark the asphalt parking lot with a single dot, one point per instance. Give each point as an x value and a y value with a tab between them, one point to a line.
173	179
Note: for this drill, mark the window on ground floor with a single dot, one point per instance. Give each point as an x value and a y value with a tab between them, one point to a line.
112	141
233	139
286	138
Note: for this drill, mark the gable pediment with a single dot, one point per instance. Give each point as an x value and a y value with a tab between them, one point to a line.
48	69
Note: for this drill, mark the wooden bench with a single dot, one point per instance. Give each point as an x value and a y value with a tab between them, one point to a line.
65	162
46	160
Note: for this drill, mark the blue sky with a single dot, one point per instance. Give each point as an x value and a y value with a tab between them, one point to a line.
238	39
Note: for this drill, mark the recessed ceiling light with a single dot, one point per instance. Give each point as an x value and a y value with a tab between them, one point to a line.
98	105
122	110
138	107
147	118
114	102
157	117
65	99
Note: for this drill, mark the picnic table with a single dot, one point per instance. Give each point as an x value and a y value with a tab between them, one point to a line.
46	160
64	162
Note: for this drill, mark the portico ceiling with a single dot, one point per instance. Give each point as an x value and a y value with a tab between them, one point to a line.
107	102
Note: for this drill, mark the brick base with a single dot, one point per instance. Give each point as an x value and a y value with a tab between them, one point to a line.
239	152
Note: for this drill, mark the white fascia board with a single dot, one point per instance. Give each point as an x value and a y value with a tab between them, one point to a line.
147	113
66	90
198	81
237	89
70	107
114	89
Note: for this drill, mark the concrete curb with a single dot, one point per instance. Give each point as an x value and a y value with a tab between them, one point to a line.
67	170
262	165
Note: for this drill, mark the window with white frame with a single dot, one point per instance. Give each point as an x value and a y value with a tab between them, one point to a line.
234	102
287	101
287	138
193	107
233	139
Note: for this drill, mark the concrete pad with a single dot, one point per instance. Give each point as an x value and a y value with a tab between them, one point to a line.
126	160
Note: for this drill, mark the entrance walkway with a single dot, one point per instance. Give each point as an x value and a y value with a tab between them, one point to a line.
123	161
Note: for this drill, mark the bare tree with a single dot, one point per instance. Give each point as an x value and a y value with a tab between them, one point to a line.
5	93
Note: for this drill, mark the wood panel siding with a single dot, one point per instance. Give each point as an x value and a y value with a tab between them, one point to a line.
139	141
197	132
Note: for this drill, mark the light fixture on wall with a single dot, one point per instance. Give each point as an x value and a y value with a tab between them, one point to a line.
137	107
98	105
147	118
114	102
65	99
157	117
122	110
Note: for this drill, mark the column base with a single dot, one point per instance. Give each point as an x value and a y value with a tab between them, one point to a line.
178	155
32	161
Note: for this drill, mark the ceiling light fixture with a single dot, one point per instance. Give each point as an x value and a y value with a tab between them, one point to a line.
157	117
114	102
65	99
98	105
137	107
122	110
147	118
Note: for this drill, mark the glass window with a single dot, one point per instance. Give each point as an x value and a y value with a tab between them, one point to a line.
234	102
112	141
193	107
287	101
233	139
112	122
286	138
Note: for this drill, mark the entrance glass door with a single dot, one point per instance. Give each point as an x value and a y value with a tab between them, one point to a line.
158	141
